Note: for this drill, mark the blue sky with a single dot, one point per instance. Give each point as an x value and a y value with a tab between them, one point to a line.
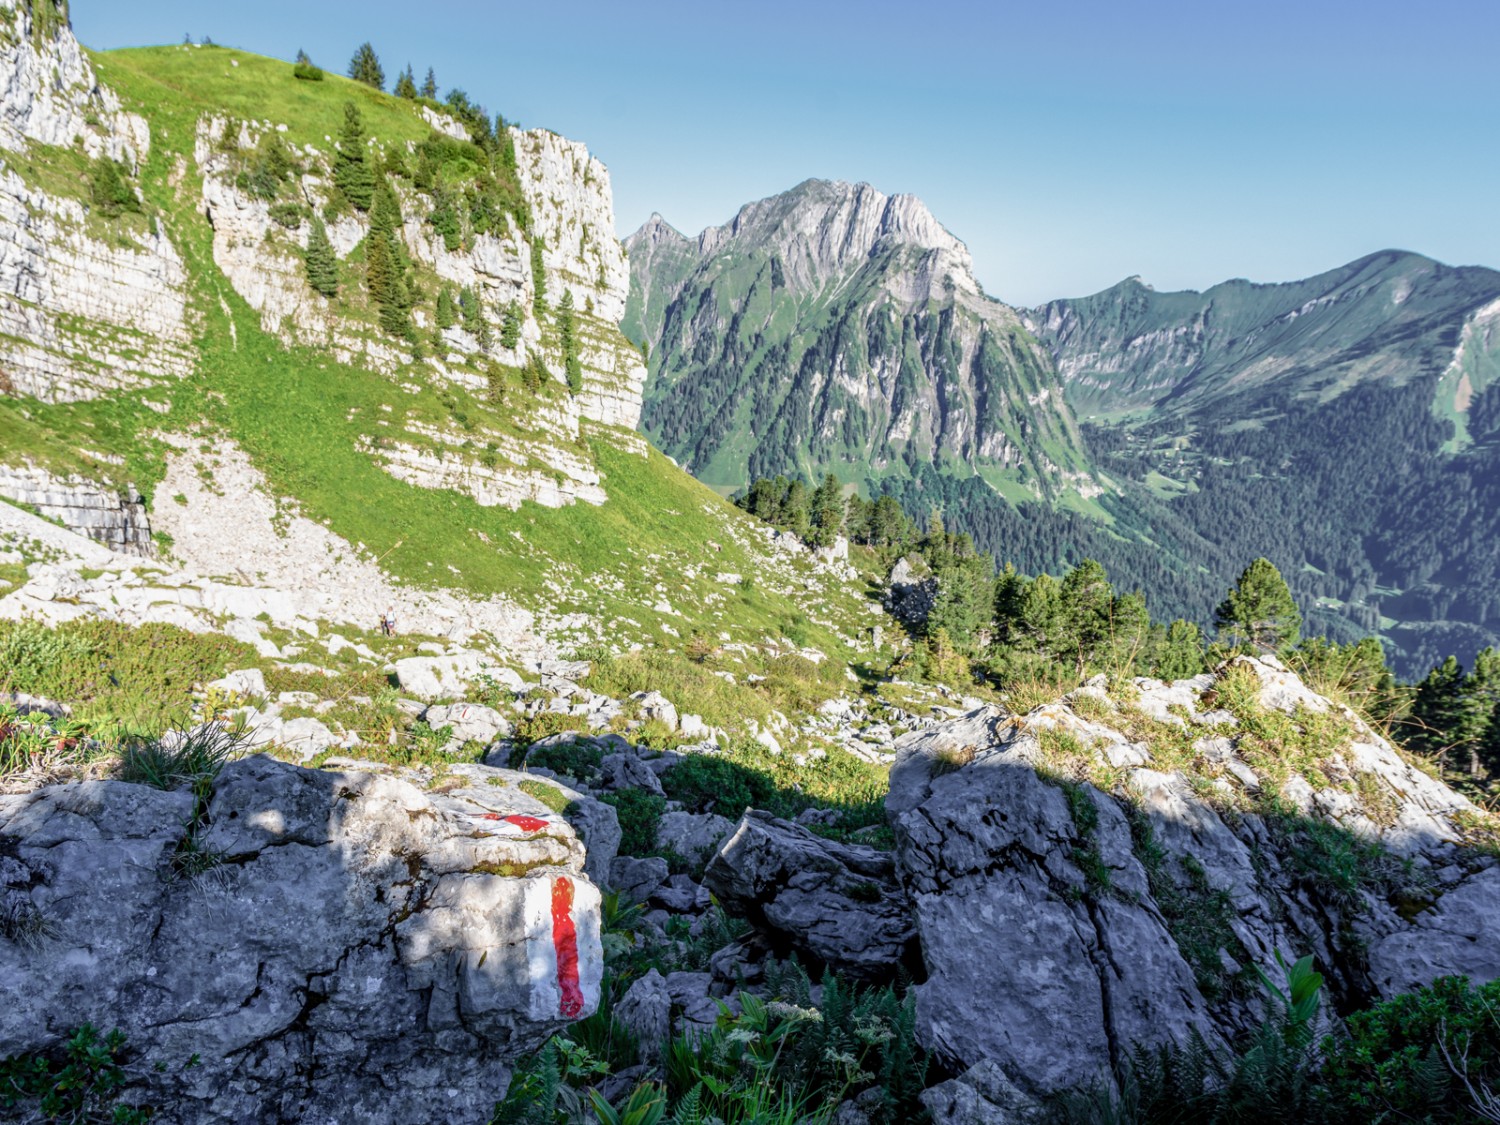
1070	144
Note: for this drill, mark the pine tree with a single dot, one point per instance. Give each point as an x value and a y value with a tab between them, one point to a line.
568	331
1259	610
365	67
534	374
827	512
385	264
429	85
1437	711
319	260
510	326
538	277
406	85
475	323
1085	599
352	174
445	313
1182	653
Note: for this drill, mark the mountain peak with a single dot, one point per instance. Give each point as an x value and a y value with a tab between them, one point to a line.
832	226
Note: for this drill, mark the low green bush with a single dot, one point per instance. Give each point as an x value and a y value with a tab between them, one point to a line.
79	1084
1428	1055
639	813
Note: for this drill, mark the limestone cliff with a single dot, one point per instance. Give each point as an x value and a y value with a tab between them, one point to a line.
87	306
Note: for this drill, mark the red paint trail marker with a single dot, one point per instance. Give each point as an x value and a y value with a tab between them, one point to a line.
565	942
525	823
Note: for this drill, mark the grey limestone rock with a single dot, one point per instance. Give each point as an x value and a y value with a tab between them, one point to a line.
1002	847
839	903
694	836
342	947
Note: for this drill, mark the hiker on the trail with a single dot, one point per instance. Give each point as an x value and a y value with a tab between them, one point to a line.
390	621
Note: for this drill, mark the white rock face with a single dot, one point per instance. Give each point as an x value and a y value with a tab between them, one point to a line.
573	211
847	224
118	520
78	316
49	92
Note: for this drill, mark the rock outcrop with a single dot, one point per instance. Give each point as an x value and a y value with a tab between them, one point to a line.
308	946
116	519
838	903
88	304
1134	865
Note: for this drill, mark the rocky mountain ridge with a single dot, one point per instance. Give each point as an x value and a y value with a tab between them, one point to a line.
833	327
1388	317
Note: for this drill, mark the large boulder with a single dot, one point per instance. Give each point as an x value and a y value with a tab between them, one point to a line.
447	676
693	836
838	903
329	945
471	722
1133	859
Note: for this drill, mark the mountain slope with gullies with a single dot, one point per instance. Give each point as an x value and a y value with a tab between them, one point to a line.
835	328
1347	426
261	325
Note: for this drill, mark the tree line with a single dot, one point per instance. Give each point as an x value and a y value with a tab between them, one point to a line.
989	623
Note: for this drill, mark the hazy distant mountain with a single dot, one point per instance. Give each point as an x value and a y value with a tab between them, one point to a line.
1392	317
1345	425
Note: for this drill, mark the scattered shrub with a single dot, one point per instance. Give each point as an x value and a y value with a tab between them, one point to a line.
79	1084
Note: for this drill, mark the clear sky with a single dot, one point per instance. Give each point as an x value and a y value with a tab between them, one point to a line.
1070	144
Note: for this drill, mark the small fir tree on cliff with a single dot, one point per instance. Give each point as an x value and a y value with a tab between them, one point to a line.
352	174
319	260
1259	610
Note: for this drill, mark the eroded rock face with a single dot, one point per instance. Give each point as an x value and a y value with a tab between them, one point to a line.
116	519
80	315
1129	867
356	949
836	902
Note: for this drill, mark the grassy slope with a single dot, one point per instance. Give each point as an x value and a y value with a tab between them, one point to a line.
290	408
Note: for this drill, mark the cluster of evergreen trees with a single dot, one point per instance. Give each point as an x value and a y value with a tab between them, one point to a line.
1006	626
474	186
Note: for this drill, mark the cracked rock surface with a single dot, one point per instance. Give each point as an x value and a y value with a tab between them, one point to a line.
1080	887
352	948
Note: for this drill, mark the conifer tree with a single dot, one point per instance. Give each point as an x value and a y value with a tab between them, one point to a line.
429	85
1086	600
568	331
1259	610
352	174
510	326
534	374
445	314
827	511
406	85
365	67
475	323
1182	653
538	277
385	263
320	261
